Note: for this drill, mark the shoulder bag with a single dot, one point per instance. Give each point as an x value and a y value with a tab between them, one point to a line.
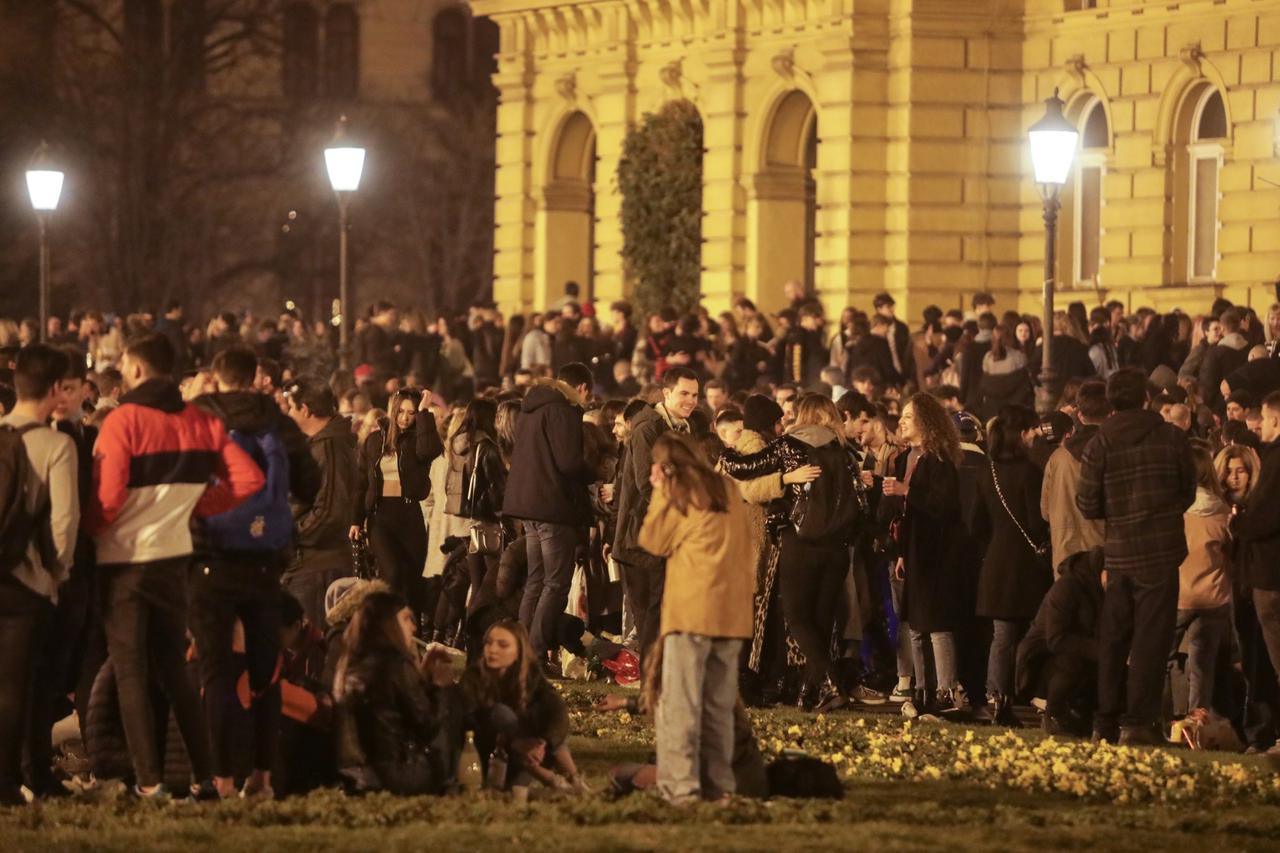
1043	551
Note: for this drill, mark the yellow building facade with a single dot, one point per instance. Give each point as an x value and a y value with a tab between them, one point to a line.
868	145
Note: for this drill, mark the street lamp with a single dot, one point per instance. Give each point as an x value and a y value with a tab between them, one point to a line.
345	162
44	185
1053	146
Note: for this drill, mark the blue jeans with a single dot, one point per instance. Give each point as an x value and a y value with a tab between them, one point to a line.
1206	631
550	548
694	720
1001	659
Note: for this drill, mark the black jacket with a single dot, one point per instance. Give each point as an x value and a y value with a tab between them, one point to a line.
1257	528
549	474
323	525
416	449
1067	622
483	479
1220	361
1014	578
1070	360
873	351
997	390
634	490
375	346
252	412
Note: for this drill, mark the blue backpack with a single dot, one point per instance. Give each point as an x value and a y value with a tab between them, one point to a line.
264	522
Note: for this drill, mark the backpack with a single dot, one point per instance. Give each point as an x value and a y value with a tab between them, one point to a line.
264	522
801	776
831	507
17	524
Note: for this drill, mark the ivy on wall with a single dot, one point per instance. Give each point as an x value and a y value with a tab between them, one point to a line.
660	179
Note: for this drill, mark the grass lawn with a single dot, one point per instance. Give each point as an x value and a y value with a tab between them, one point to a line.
918	787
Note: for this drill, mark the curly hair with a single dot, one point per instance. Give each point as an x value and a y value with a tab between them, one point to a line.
938	432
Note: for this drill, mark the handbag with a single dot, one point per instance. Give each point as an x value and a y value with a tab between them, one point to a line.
485	537
1043	551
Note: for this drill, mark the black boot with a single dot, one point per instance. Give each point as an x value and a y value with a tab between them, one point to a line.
808	699
1004	714
830	698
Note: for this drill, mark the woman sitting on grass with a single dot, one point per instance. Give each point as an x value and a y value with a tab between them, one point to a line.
399	719
521	724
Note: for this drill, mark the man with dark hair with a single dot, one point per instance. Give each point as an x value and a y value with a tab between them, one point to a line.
717	393
1136	474
577	376
1222	359
643	574
157	462
375	345
36	561
899	338
240	560
324	552
857	412
623	335
170	325
547	490
804	351
1257	530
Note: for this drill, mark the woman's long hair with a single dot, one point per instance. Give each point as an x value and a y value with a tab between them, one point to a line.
690	480
938	433
1248	456
374	629
817	410
510	687
413	395
1004	433
478	419
1206	470
504	427
1000	342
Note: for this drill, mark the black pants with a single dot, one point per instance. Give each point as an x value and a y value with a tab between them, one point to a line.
24	619
643	582
146	623
398	538
309	584
1138	618
1070	686
811	577
224	591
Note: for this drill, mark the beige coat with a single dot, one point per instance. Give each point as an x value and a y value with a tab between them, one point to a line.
1069	531
1203	581
711	566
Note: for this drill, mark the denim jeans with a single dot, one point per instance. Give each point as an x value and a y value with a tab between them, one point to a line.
1002	658
1266	603
551	550
24	617
906	660
944	660
1206	631
1138	618
694	720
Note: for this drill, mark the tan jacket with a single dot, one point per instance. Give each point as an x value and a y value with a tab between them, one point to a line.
1069	531
1203	581
711	566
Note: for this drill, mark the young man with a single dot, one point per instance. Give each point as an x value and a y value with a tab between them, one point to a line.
1257	529
154	461
898	336
239	561
324	551
1137	475
643	574
30	580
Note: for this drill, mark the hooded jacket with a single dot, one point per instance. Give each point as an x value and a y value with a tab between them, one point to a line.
1137	474
157	461
647	425
1069	531
549	472
1203	578
1067	622
1220	361
1258	526
323	524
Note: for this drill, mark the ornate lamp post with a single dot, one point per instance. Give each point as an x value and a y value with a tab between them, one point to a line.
1053	147
44	185
344	162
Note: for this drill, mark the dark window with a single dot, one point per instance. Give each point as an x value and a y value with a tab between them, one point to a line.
484	41
187	33
1095	127
300	68
449	53
342	51
1213	119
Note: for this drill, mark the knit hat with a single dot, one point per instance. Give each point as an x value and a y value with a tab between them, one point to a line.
760	414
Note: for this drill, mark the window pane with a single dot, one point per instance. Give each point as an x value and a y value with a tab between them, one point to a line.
301	50
341	51
1206	217
1090	222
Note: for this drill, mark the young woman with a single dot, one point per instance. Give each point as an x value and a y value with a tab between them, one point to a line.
399	721
812	562
520	722
394	478
1204	585
929	530
1015	574
1237	468
1005	380
698	521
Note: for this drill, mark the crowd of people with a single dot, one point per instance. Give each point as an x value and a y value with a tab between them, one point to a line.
243	571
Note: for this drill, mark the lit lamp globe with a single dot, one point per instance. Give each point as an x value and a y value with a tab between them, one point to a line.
44	183
344	162
1053	147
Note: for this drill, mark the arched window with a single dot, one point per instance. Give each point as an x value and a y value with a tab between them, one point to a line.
449	74
484	52
1087	226
1208	133
299	71
341	51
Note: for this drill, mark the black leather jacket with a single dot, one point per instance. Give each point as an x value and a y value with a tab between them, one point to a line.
483	500
782	455
416	449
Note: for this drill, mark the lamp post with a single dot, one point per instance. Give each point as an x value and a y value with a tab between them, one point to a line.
44	185
344	162
1053	146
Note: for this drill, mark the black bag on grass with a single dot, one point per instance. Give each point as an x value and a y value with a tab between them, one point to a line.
801	776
